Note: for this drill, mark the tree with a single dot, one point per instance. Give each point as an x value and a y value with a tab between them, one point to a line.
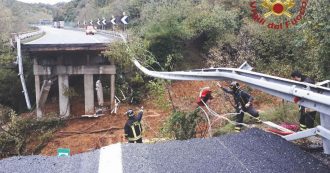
316	35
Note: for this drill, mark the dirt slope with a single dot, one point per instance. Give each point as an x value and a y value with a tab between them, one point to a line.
84	134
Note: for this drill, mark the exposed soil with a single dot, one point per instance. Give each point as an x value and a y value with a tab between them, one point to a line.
85	134
77	135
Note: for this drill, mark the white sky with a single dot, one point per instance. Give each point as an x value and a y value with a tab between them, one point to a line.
44	1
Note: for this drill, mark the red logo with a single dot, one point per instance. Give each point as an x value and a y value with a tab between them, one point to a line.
284	9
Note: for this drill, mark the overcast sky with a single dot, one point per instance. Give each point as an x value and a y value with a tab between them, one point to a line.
44	1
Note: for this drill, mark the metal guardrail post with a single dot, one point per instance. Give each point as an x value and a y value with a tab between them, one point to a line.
18	38
325	122
325	83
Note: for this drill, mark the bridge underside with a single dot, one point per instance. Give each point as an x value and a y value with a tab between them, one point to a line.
59	62
64	47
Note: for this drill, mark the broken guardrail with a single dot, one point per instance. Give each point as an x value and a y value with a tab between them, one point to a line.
18	38
311	96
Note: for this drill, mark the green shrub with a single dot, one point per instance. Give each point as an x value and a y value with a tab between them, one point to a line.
17	132
182	125
157	93
286	112
5	114
226	129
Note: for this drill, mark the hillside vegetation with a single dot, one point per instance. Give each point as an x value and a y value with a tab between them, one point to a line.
222	31
183	34
166	35
15	131
16	17
179	35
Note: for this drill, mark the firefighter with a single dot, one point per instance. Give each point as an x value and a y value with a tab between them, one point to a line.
204	96
133	128
243	103
307	116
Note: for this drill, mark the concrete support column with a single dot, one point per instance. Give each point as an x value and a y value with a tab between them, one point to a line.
112	91
89	94
63	86
325	122
37	88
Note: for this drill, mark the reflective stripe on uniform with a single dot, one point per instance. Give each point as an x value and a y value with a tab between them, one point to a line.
303	127
258	119
237	129
134	139
134	132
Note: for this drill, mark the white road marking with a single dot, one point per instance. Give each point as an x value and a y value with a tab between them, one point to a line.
111	159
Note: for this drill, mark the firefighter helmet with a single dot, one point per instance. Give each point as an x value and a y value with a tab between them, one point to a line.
204	96
130	113
234	85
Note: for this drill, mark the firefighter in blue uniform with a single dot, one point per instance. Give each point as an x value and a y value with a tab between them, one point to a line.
307	116
243	103
133	128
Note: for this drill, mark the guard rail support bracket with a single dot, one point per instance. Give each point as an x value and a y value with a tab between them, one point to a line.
319	130
300	135
325	133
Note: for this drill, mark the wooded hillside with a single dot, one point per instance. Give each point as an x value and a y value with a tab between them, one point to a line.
184	34
166	35
223	31
16	17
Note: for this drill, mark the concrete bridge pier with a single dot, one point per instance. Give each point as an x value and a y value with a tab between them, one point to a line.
61	61
37	90
89	94
63	89
112	91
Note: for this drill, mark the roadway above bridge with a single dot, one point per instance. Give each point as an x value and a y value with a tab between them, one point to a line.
56	39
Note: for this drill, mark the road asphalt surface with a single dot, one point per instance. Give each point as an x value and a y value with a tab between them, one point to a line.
253	151
66	36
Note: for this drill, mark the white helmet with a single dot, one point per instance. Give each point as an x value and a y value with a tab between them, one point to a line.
130	113
234	85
